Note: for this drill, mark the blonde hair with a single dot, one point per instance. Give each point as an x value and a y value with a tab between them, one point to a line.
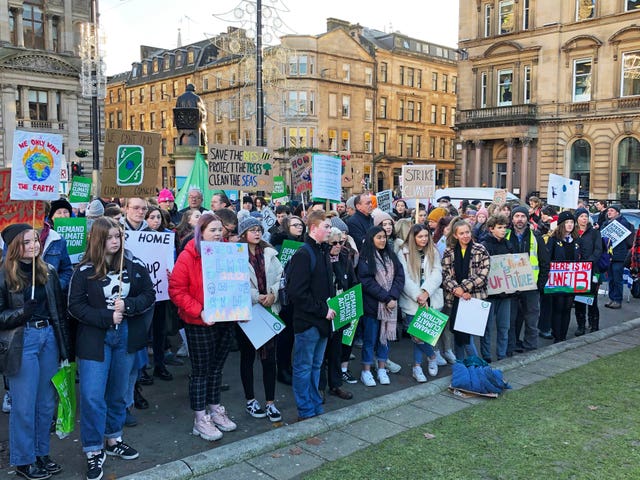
415	260
15	278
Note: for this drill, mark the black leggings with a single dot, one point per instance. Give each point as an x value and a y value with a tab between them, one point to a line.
248	356
560	315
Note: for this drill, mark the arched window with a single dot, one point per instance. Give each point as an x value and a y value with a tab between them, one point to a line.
628	169
580	167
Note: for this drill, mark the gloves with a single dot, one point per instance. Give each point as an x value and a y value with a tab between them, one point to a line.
29	308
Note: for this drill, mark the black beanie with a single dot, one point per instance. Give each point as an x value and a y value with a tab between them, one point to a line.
12	231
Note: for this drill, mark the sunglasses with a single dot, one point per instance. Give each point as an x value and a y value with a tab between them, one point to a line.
337	243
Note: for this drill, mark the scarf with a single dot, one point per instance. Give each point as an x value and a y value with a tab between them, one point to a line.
257	262
45	233
385	273
461	267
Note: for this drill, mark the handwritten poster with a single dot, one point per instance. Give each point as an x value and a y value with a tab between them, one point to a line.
225	278
155	249
240	168
569	277
385	200
14	211
562	191
616	232
418	181
35	166
326	177
74	231
301	173
510	273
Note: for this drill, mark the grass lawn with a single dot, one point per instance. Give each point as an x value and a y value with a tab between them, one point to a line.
582	424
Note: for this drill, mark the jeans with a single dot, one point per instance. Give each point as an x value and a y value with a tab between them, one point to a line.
103	391
525	310
371	342
33	397
500	316
308	354
463	351
616	270
419	349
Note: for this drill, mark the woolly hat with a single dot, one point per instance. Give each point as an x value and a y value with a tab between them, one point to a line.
616	206
351	203
95	209
437	213
549	210
12	231
165	195
379	216
564	216
247	199
581	211
520	209
58	204
483	211
248	223
336	222
471	211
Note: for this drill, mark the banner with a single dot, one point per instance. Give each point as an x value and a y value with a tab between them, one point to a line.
616	232
80	191
472	316
289	247
569	277
74	231
418	181
198	178
156	250
301	173
510	273
131	164
563	192
35	166
14	211
263	326
349	333
385	200
348	306
225	279
326	177
427	325
240	168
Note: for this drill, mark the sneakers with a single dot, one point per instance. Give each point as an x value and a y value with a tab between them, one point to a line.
122	450
273	413
221	419
383	376
418	374
94	465
432	367
440	359
393	367
348	378
450	357
206	429
255	410
48	465
6	402
366	377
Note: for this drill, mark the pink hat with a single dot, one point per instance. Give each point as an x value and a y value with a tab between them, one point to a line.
483	211
165	195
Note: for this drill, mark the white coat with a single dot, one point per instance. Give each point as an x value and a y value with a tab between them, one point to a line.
431	283
273	270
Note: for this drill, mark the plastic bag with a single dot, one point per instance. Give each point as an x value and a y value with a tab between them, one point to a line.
65	383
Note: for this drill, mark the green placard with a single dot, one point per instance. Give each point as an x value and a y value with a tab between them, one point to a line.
279	188
347	305
74	231
349	333
427	325
289	247
80	191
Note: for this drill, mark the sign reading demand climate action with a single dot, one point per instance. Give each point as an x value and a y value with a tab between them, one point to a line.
74	231
348	306
427	325
240	168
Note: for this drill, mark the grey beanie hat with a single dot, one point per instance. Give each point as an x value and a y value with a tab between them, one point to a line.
95	209
336	222
248	223
520	209
351	202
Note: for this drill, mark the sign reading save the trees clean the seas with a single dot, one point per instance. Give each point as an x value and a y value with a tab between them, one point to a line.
240	168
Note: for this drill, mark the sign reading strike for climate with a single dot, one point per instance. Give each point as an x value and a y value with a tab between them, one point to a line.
240	168
155	249
348	306
131	163
569	277
616	232
418	181
301	173
13	211
427	325
80	191
35	166
510	273
74	231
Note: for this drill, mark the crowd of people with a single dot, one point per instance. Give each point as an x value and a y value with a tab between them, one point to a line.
102	313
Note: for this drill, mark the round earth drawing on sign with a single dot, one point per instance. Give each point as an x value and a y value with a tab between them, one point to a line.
38	165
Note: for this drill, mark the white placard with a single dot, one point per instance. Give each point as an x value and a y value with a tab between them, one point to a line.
616	232
35	168
563	192
262	327
472	316
385	200
583	299
418	181
326	177
156	250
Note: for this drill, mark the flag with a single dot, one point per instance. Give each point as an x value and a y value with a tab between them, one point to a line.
198	177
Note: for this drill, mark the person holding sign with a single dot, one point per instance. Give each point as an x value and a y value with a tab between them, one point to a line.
209	343
37	307
616	268
422	288
590	242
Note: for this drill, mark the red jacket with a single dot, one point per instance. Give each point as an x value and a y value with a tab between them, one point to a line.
185	285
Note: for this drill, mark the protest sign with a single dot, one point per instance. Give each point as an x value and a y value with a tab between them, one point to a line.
500	196
240	168
510	273
562	191
616	232
225	279
347	305
385	200
472	316
301	173
427	325
262	327
155	249
13	211
80	191
74	231
35	166
326	177
279	188
131	163
569	277
586	299
418	181
289	247
269	218
349	333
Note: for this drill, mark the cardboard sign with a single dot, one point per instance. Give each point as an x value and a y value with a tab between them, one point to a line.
348	307
263	326
510	273
35	166
225	279
385	200
418	181
427	325
326	177
80	191
616	232
156	250
16	211
240	168
563	192
289	247
269	219
349	333
74	231
301	173
569	277
472	316
131	163
500	196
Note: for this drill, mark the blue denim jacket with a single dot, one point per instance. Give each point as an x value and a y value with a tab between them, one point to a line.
55	254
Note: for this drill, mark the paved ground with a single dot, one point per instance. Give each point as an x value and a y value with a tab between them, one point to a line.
286	450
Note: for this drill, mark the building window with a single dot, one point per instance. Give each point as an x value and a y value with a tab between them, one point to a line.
585	9
368	75
333	105
400	144
434	81
419	112
163	144
443	147
141	95
205	84
218	139
580	168
163	90
38	105
368	109
247	106
154	67
191	57
507	17
630	74
166	63
453	116
419	78
432	147
163	119
525	14
333	140
119	120
247	138
367	142
233	109
628	169
582	80
483	90
409	145
401	75
346	72
152	120
297	103
145	69
303	62
233	138
443	115
631	5
526	93
487	20
179	59
434	113
152	93
410	111
382	143
346	106
33	24
131	97
445	82
298	138
400	110
505	81
454	85
119	95
176	88
418	145
111	120
218	110
383	72
345	144
142	121
132	122
410	76
383	107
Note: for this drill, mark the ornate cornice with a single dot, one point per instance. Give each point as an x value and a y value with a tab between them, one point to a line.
40	64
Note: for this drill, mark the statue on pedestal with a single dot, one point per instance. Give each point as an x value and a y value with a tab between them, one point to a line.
189	117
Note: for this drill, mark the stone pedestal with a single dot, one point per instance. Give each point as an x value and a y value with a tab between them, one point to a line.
184	157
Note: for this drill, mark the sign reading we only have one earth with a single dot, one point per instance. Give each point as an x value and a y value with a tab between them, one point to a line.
569	277
240	168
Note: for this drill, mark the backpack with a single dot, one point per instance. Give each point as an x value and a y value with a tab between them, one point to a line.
283	295
607	253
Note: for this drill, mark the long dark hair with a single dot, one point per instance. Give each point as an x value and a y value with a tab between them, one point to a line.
16	280
369	250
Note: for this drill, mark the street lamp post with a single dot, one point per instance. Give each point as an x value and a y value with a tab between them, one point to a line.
259	93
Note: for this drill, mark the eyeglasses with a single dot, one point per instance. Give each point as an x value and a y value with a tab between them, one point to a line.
296	225
255	230
341	242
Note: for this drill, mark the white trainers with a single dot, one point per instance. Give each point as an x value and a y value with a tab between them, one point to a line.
366	377
440	359
449	356
206	429
418	374
6	402
393	367
383	376
432	368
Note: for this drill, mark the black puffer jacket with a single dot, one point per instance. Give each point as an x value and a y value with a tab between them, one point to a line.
590	243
